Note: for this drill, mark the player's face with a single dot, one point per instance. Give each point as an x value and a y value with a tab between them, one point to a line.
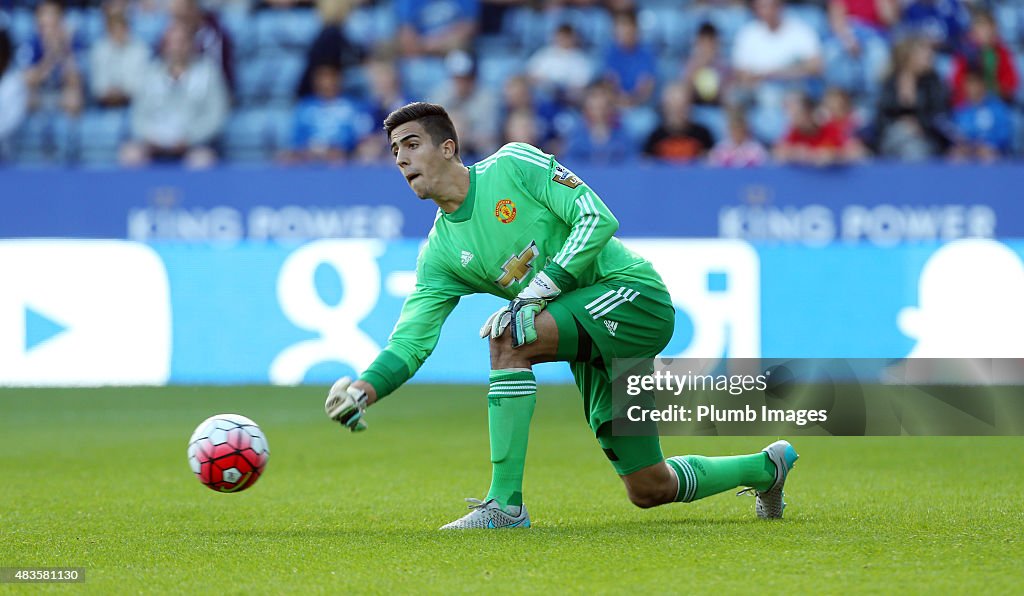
416	156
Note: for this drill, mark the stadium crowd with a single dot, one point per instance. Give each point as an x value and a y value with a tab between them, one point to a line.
729	83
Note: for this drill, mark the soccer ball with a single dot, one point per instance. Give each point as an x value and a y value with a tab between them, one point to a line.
228	452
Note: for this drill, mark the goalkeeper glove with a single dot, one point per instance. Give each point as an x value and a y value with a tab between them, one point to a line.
346	405
520	313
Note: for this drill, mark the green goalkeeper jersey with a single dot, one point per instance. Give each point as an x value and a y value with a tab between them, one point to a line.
524	213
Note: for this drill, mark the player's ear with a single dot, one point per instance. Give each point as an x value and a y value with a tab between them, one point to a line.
448	148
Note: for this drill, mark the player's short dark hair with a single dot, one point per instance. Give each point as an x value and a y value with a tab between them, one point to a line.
433	117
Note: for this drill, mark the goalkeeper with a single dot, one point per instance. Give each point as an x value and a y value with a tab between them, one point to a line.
522	227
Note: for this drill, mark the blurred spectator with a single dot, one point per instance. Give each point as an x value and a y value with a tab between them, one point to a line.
806	141
522	126
151	6
13	92
983	122
707	72
517	95
942	22
181	105
857	52
328	126
628	64
677	138
739	149
562	67
209	37
618	5
277	4
435	27
837	111
384	96
612	5
476	105
912	111
773	55
810	140
331	44
385	92
600	137
493	14
53	78
774	47
118	60
984	50
847	16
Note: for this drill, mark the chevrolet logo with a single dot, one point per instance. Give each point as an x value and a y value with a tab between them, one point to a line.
518	266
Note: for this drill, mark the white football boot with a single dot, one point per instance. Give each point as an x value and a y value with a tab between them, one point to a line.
488	515
770	503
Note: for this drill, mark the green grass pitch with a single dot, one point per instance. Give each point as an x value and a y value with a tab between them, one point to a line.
99	479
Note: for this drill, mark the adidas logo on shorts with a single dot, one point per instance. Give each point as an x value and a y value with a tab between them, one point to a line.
611	326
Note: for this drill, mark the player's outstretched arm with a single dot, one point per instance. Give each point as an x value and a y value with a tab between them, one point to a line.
412	341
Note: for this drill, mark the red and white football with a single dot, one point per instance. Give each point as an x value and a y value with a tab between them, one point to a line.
228	452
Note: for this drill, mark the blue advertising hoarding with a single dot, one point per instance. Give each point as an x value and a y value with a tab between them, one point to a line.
877	204
120	312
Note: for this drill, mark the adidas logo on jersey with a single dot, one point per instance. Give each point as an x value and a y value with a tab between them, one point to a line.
611	326
466	257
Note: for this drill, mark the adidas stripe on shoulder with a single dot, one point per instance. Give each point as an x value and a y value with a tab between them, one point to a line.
520	151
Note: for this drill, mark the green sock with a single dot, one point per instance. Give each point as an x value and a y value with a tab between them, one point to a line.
510	403
701	476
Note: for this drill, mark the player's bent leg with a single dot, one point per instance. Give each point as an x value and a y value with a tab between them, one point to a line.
639	462
651	481
764	472
511	399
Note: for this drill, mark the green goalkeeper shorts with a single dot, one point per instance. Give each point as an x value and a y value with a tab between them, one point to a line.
596	324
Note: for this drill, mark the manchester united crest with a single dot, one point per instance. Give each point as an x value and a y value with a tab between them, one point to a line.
505	211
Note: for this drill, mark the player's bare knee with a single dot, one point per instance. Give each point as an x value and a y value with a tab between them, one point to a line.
645	498
650	487
503	355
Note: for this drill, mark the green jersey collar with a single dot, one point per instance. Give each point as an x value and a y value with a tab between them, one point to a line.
465	210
